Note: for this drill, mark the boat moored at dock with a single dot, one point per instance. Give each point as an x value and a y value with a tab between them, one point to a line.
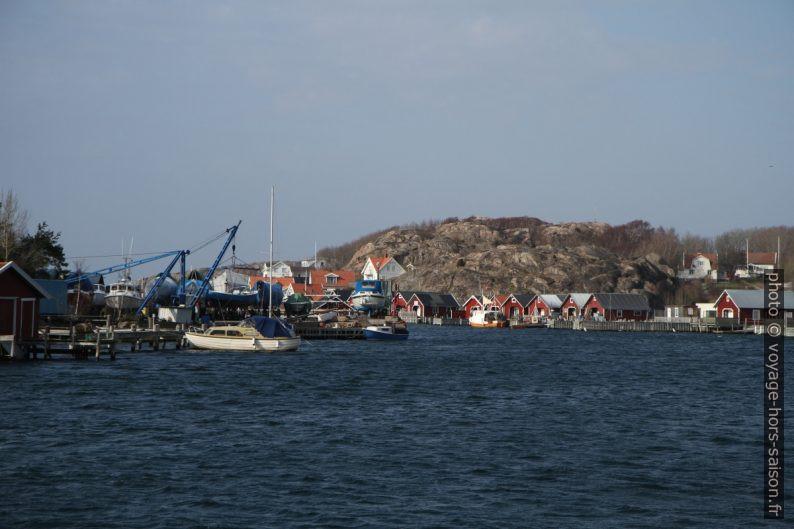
490	317
255	334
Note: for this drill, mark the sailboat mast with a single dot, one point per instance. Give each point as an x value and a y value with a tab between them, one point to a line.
270	266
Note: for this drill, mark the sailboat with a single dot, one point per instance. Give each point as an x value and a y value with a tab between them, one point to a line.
257	333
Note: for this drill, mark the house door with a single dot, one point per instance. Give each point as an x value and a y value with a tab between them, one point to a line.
27	318
571	312
8	316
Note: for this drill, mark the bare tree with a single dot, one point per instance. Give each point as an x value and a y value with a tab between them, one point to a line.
13	223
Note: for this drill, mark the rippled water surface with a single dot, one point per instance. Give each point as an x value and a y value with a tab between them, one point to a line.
457	427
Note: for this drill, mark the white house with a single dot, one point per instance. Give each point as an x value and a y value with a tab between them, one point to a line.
383	268
699	266
280	269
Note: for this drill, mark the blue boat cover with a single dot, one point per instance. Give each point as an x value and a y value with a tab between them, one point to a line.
268	327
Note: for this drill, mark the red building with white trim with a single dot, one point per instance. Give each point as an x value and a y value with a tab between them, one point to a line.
747	306
474	302
19	303
573	304
512	307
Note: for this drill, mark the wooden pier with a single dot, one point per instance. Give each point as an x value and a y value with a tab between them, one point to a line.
315	331
99	341
643	326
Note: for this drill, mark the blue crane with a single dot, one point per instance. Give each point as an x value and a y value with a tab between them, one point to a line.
203	286
76	277
157	284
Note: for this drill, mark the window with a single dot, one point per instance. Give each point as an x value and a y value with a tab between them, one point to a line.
756	314
727	313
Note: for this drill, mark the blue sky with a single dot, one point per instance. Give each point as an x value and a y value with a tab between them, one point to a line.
169	121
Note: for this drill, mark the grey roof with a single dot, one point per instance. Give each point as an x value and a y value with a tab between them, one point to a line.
437	299
551	300
524	299
611	300
406	294
754	299
580	298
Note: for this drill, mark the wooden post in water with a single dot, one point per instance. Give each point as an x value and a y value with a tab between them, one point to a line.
47	342
98	348
156	336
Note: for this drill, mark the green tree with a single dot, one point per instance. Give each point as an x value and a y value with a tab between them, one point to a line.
40	254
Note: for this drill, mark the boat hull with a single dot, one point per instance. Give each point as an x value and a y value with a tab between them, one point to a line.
122	301
489	325
367	301
371	333
242	343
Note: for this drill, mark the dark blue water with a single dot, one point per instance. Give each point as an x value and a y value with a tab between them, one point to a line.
455	428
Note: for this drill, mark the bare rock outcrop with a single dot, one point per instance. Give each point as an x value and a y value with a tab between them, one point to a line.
468	256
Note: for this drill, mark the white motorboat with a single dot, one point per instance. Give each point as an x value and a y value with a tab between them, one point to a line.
386	332
255	334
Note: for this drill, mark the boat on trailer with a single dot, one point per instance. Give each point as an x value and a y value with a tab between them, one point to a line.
368	296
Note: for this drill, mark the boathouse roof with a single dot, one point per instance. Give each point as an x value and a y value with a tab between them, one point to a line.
753	298
620	301
437	300
579	298
10	267
524	299
552	301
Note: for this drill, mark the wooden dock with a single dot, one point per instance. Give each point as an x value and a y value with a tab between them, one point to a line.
314	331
99	341
641	326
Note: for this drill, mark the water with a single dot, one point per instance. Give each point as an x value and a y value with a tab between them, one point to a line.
455	428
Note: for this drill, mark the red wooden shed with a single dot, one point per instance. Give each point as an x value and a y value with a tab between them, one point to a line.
19	303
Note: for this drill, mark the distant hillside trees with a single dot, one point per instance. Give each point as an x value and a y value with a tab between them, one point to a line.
40	254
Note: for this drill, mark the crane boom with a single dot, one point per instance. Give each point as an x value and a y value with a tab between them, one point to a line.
74	278
203	286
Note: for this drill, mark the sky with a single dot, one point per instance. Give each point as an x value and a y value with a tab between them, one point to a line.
167	122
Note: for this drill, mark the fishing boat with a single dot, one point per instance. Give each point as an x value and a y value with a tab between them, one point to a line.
385	332
98	295
123	295
254	334
489	317
368	296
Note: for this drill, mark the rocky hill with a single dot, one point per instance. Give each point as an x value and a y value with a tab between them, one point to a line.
520	255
